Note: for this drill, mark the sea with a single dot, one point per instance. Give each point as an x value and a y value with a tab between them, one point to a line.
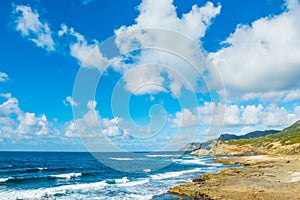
81	175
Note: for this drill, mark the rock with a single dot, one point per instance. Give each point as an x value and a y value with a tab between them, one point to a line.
200	152
191	147
257	181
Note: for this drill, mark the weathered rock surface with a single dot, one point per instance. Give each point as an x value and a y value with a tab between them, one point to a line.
264	177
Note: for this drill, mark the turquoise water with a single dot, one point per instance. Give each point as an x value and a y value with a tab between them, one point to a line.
53	175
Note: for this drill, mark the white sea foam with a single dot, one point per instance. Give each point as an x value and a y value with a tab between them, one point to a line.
67	176
189	162
214	164
2	180
173	174
141	197
160	155
42	168
122	180
121	159
147	170
51	192
134	183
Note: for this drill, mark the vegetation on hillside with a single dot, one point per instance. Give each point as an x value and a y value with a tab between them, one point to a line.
288	136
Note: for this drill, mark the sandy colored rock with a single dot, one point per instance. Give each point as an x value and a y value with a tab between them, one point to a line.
200	152
263	177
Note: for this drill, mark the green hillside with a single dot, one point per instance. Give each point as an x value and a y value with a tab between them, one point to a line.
288	136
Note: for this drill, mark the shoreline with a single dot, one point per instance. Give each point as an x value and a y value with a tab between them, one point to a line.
262	177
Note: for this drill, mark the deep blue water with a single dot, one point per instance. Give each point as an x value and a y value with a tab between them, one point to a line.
53	175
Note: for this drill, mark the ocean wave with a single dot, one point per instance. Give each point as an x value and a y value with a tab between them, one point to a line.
189	162
121	159
141	197
54	191
7	167
67	176
23	170
168	175
147	170
36	178
160	155
214	164
22	179
134	183
122	180
42	168
2	180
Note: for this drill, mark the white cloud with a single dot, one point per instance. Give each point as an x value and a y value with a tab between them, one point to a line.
70	101
162	14
263	58
187	30
29	123
292	96
166	28
185	118
297	111
274	96
10	106
92	125
150	82
217	114
88	54
3	77
14	122
235	116
270	96
251	114
28	23
6	96
274	116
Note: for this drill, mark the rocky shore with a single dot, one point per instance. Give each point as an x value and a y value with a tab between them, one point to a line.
262	177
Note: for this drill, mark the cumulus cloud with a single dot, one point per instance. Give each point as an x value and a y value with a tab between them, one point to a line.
158	26
92	125
262	58
257	115
87	53
69	101
243	116
163	14
14	122
167	27
151	82
185	118
3	77
29	24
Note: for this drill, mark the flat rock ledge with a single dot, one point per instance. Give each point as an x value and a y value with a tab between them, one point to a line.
263	177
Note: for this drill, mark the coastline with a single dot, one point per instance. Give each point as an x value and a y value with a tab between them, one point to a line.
262	177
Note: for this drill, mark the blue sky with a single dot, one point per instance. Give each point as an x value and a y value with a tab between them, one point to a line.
119	75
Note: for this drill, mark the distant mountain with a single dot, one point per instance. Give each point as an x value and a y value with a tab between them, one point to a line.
285	142
250	135
211	143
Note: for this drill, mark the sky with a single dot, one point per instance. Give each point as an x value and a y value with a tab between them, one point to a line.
144	75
